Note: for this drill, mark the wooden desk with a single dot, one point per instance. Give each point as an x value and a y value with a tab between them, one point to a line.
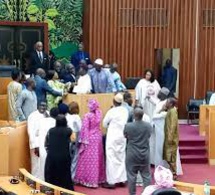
20	189
14	149
203	118
4	81
210	136
39	184
23	187
4	107
105	100
192	188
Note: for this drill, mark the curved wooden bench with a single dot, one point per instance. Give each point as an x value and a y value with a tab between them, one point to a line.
43	186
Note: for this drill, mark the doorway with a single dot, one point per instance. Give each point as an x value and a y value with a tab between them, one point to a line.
166	78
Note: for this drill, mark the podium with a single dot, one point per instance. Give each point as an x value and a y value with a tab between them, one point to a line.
14	148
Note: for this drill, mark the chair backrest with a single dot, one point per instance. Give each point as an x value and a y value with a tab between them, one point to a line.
166	191
131	82
208	96
193	104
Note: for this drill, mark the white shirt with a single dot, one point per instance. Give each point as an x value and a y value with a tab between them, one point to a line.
84	85
33	128
40	54
146	118
145	88
74	122
158	113
212	100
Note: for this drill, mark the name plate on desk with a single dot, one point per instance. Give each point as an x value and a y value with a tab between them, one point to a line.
31	183
46	190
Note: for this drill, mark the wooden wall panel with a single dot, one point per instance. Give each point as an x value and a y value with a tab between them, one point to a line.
133	47
206	57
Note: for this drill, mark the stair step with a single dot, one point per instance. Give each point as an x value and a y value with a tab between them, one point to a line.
190	150
197	159
192	143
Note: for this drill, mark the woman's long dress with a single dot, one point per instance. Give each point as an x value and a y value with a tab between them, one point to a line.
90	169
58	161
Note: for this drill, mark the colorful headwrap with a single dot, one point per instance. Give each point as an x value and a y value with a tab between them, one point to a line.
93	105
163	177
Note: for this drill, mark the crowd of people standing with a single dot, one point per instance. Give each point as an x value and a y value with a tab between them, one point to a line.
66	149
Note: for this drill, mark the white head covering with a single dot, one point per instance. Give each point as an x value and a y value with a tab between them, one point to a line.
99	61
165	91
118	98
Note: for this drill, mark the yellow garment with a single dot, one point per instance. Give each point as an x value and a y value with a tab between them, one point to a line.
171	138
52	101
13	90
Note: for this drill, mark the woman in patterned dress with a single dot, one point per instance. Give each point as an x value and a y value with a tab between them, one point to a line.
90	167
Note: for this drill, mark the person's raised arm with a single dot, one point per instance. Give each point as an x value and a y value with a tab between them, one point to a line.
48	89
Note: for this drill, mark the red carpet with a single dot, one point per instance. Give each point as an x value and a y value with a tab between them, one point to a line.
193	173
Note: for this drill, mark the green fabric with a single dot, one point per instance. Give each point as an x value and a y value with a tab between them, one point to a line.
52	101
64	20
171	138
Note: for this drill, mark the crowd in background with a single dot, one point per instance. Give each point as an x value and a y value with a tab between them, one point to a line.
65	148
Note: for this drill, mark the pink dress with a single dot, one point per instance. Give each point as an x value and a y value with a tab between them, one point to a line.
90	167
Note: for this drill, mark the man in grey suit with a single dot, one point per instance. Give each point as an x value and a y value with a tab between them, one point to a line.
137	152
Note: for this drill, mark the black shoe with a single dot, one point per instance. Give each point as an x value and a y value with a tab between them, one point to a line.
121	184
109	186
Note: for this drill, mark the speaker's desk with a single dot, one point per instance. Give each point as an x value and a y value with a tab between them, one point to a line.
105	100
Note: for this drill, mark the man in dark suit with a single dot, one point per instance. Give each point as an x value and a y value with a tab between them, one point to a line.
58	67
39	59
169	77
42	86
80	55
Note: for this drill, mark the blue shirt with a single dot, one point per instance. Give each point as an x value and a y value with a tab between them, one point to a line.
102	81
42	88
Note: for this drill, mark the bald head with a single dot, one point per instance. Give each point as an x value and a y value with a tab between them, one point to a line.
39	46
113	67
70	68
40	72
57	66
30	84
138	114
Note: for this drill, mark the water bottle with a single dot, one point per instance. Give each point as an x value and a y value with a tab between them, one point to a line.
207	188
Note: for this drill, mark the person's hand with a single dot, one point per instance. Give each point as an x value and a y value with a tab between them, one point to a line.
46	114
164	108
65	93
37	152
148	97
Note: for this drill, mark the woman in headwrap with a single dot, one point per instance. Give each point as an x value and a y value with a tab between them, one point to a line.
163	180
90	170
